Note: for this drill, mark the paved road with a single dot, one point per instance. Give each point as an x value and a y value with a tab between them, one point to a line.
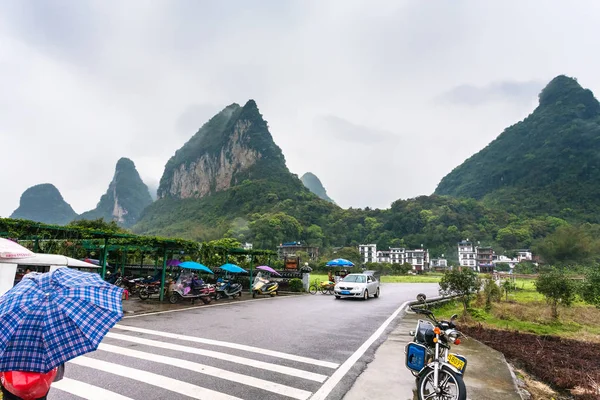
293	347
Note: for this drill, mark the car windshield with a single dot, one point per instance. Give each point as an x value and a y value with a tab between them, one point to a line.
354	278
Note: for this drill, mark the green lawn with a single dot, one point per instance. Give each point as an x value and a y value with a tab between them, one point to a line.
527	311
428	278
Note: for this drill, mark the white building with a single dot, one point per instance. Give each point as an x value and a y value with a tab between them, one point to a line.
524	255
467	254
368	253
383	256
419	258
247	246
502	259
438	263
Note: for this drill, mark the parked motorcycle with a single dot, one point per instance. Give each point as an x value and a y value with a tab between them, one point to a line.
188	287
439	372
226	288
262	286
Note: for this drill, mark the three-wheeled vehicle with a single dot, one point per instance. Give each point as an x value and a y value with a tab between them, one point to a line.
189	286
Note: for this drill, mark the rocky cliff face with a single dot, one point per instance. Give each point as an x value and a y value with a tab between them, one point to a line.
232	146
313	183
44	203
126	197
231	168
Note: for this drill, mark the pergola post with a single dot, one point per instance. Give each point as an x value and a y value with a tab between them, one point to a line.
251	265
164	274
104	256
123	260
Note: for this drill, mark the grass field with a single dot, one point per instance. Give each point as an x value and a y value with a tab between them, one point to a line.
527	311
429	278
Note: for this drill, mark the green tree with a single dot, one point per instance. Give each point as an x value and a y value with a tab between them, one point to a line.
568	246
491	291
98	225
557	288
507	286
590	289
503	267
348	253
461	283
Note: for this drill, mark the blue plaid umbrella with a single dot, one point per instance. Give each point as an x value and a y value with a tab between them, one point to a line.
48	319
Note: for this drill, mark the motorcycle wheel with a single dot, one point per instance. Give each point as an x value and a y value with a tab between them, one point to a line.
173	298
254	294
206	300
453	387
143	294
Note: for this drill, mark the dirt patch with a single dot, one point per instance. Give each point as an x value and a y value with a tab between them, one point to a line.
565	364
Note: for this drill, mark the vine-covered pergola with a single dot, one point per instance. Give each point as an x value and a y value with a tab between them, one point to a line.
106	241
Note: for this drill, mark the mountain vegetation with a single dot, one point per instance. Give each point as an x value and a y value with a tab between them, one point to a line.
44	203
126	197
314	184
547	164
230	180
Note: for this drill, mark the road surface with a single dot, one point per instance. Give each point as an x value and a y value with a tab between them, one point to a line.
288	347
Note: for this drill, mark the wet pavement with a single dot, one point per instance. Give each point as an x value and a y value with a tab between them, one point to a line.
488	376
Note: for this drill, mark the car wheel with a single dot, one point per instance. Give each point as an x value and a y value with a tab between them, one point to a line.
377	293
366	295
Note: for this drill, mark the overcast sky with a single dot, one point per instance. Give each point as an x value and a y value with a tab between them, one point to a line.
379	99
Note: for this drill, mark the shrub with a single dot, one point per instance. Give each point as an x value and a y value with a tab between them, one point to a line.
492	293
296	285
461	283
557	288
590	289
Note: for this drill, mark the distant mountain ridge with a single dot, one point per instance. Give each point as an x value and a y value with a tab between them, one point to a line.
546	164
44	203
313	183
127	195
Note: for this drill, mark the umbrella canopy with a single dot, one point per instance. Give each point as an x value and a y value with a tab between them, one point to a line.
234	269
269	269
173	263
195	265
340	262
11	249
48	319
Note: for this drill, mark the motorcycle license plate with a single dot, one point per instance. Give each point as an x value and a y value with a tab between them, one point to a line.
345	292
456	362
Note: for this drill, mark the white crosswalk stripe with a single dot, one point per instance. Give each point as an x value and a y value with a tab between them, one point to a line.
117	371
278	354
87	391
223	356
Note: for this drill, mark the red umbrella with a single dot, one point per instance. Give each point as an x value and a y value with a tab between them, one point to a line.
269	269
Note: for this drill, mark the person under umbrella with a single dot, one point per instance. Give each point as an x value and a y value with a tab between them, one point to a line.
48	319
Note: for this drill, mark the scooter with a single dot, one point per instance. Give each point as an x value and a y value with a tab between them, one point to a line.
187	287
227	289
262	286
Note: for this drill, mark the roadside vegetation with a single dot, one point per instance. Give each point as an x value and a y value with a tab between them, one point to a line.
549	324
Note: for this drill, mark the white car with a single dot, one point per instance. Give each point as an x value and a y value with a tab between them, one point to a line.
362	285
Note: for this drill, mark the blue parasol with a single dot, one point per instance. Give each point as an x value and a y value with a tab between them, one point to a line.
340	262
48	319
234	269
195	265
